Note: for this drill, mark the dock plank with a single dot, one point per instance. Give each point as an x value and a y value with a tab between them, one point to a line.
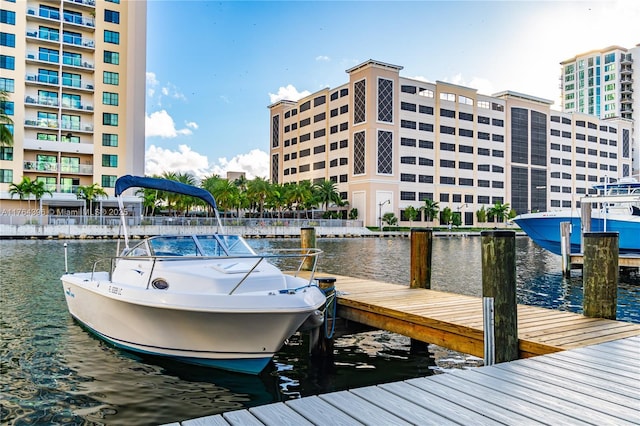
318	411
401	407
242	418
453	386
457	405
363	410
279	414
590	398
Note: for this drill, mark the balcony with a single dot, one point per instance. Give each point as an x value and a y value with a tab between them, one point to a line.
72	18
77	63
47	167
626	59
51	58
40	166
58	146
626	89
41	122
42	101
50	15
626	99
626	71
55	124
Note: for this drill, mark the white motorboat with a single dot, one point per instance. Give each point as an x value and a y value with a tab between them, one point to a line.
207	299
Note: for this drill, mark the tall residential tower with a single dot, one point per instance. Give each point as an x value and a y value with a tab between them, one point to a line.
74	72
605	83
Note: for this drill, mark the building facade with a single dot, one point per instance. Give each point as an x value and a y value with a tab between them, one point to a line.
390	142
602	83
74	72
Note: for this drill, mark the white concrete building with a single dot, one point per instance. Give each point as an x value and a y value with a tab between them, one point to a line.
390	142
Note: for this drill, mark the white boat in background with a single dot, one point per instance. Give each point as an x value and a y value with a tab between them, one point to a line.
208	300
616	208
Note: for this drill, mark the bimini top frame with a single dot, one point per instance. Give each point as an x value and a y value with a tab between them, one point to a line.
125	182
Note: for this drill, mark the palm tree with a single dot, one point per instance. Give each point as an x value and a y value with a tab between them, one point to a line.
446	215
38	189
326	192
499	211
22	189
6	123
89	193
430	209
411	213
481	215
150	200
299	192
258	190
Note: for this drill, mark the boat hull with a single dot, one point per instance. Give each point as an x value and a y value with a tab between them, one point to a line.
241	339
544	230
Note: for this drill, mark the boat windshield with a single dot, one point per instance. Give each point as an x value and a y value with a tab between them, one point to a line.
191	245
217	245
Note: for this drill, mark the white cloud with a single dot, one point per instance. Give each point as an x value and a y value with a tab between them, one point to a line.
323	58
152	83
255	163
482	85
159	160
192	124
161	124
289	93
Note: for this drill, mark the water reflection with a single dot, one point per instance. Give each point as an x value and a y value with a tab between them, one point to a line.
53	371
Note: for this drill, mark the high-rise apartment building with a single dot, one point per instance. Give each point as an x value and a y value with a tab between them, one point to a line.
604	83
390	142
74	73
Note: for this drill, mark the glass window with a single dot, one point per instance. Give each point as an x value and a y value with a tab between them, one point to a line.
6	153
70	79
7	17
7	39
111	16
109	160
109	98
109	119
7	62
6	176
111	57
111	78
112	37
109	139
109	181
7	85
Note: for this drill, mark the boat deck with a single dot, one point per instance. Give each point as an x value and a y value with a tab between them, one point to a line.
593	385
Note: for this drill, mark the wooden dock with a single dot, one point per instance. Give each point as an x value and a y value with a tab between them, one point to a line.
593	385
455	321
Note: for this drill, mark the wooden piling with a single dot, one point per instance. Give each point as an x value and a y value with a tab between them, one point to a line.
499	283
585	222
600	274
421	248
308	241
420	273
565	247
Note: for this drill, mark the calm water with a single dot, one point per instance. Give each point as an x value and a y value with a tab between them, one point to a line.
53	372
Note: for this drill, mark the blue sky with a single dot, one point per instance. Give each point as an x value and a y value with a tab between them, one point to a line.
213	67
